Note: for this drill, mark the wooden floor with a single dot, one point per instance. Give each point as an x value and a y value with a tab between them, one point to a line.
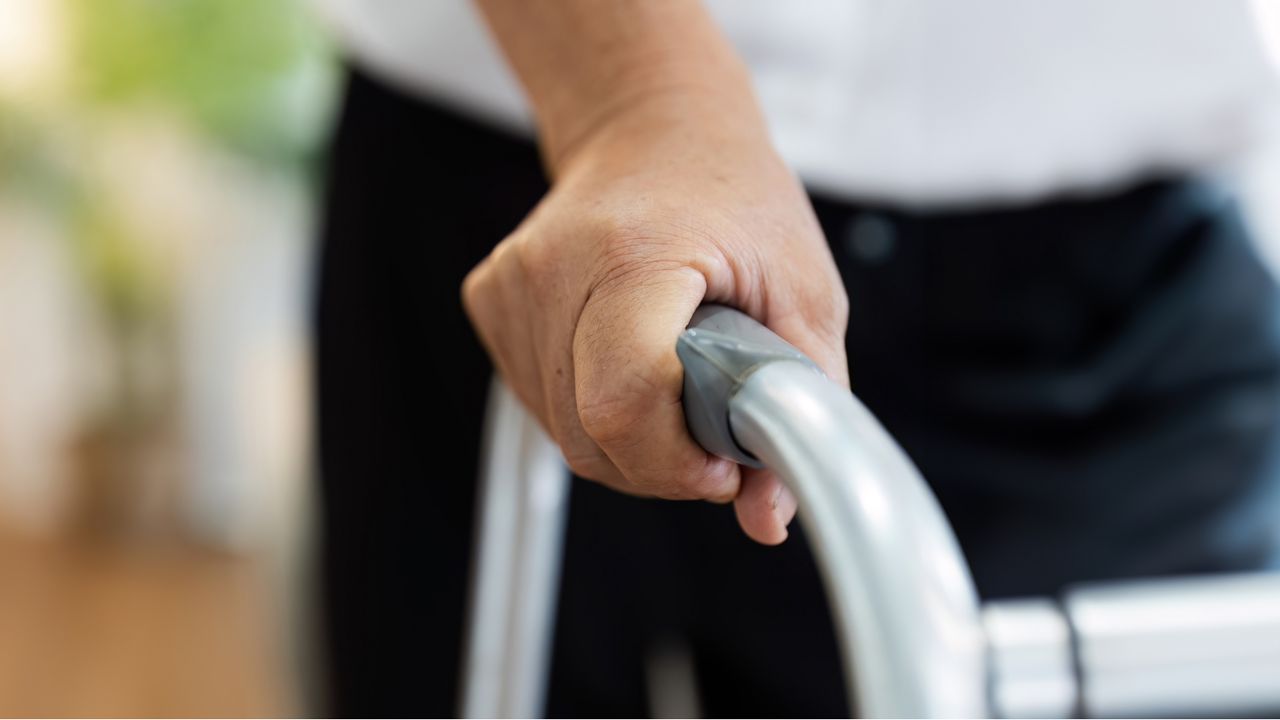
94	628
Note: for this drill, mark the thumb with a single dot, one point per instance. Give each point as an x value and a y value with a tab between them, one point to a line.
765	507
817	329
629	384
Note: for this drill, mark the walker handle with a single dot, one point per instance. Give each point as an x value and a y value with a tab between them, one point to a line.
904	601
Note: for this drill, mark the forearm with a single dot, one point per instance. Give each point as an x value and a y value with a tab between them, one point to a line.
586	63
667	194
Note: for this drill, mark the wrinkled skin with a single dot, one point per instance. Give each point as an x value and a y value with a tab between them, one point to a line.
655	212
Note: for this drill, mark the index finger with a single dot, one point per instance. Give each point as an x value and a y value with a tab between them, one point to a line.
628	383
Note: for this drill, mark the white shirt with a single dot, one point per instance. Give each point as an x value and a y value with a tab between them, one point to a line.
921	102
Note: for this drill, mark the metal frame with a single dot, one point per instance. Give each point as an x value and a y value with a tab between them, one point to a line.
914	640
900	591
523	506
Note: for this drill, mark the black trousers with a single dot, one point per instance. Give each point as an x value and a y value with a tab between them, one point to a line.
1089	385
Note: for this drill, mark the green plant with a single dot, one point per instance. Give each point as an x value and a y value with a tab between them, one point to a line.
254	74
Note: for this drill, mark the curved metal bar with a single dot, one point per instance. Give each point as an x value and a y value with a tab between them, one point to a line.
899	587
907	612
901	593
900	590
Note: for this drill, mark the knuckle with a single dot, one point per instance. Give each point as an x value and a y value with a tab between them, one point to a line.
612	227
683	480
839	309
607	416
826	307
709	480
839	302
473	290
684	487
532	255
542	267
478	285
586	463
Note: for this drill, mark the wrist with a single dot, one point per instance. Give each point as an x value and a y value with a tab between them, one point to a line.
680	116
649	90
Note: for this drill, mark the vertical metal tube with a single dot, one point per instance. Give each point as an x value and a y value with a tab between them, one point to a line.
523	506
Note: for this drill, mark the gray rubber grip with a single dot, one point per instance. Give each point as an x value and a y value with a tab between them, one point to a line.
719	350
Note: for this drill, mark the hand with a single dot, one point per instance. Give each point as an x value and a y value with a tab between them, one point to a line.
657	210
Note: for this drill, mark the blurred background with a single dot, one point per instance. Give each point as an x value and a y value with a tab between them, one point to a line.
160	162
158	168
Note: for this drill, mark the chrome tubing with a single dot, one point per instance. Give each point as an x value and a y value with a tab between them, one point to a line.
909	626
522	509
1183	646
904	601
913	639
1171	647
1031	660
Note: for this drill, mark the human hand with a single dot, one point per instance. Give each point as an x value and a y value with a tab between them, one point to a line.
657	210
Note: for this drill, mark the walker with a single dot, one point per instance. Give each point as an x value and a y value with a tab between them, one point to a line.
916	641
